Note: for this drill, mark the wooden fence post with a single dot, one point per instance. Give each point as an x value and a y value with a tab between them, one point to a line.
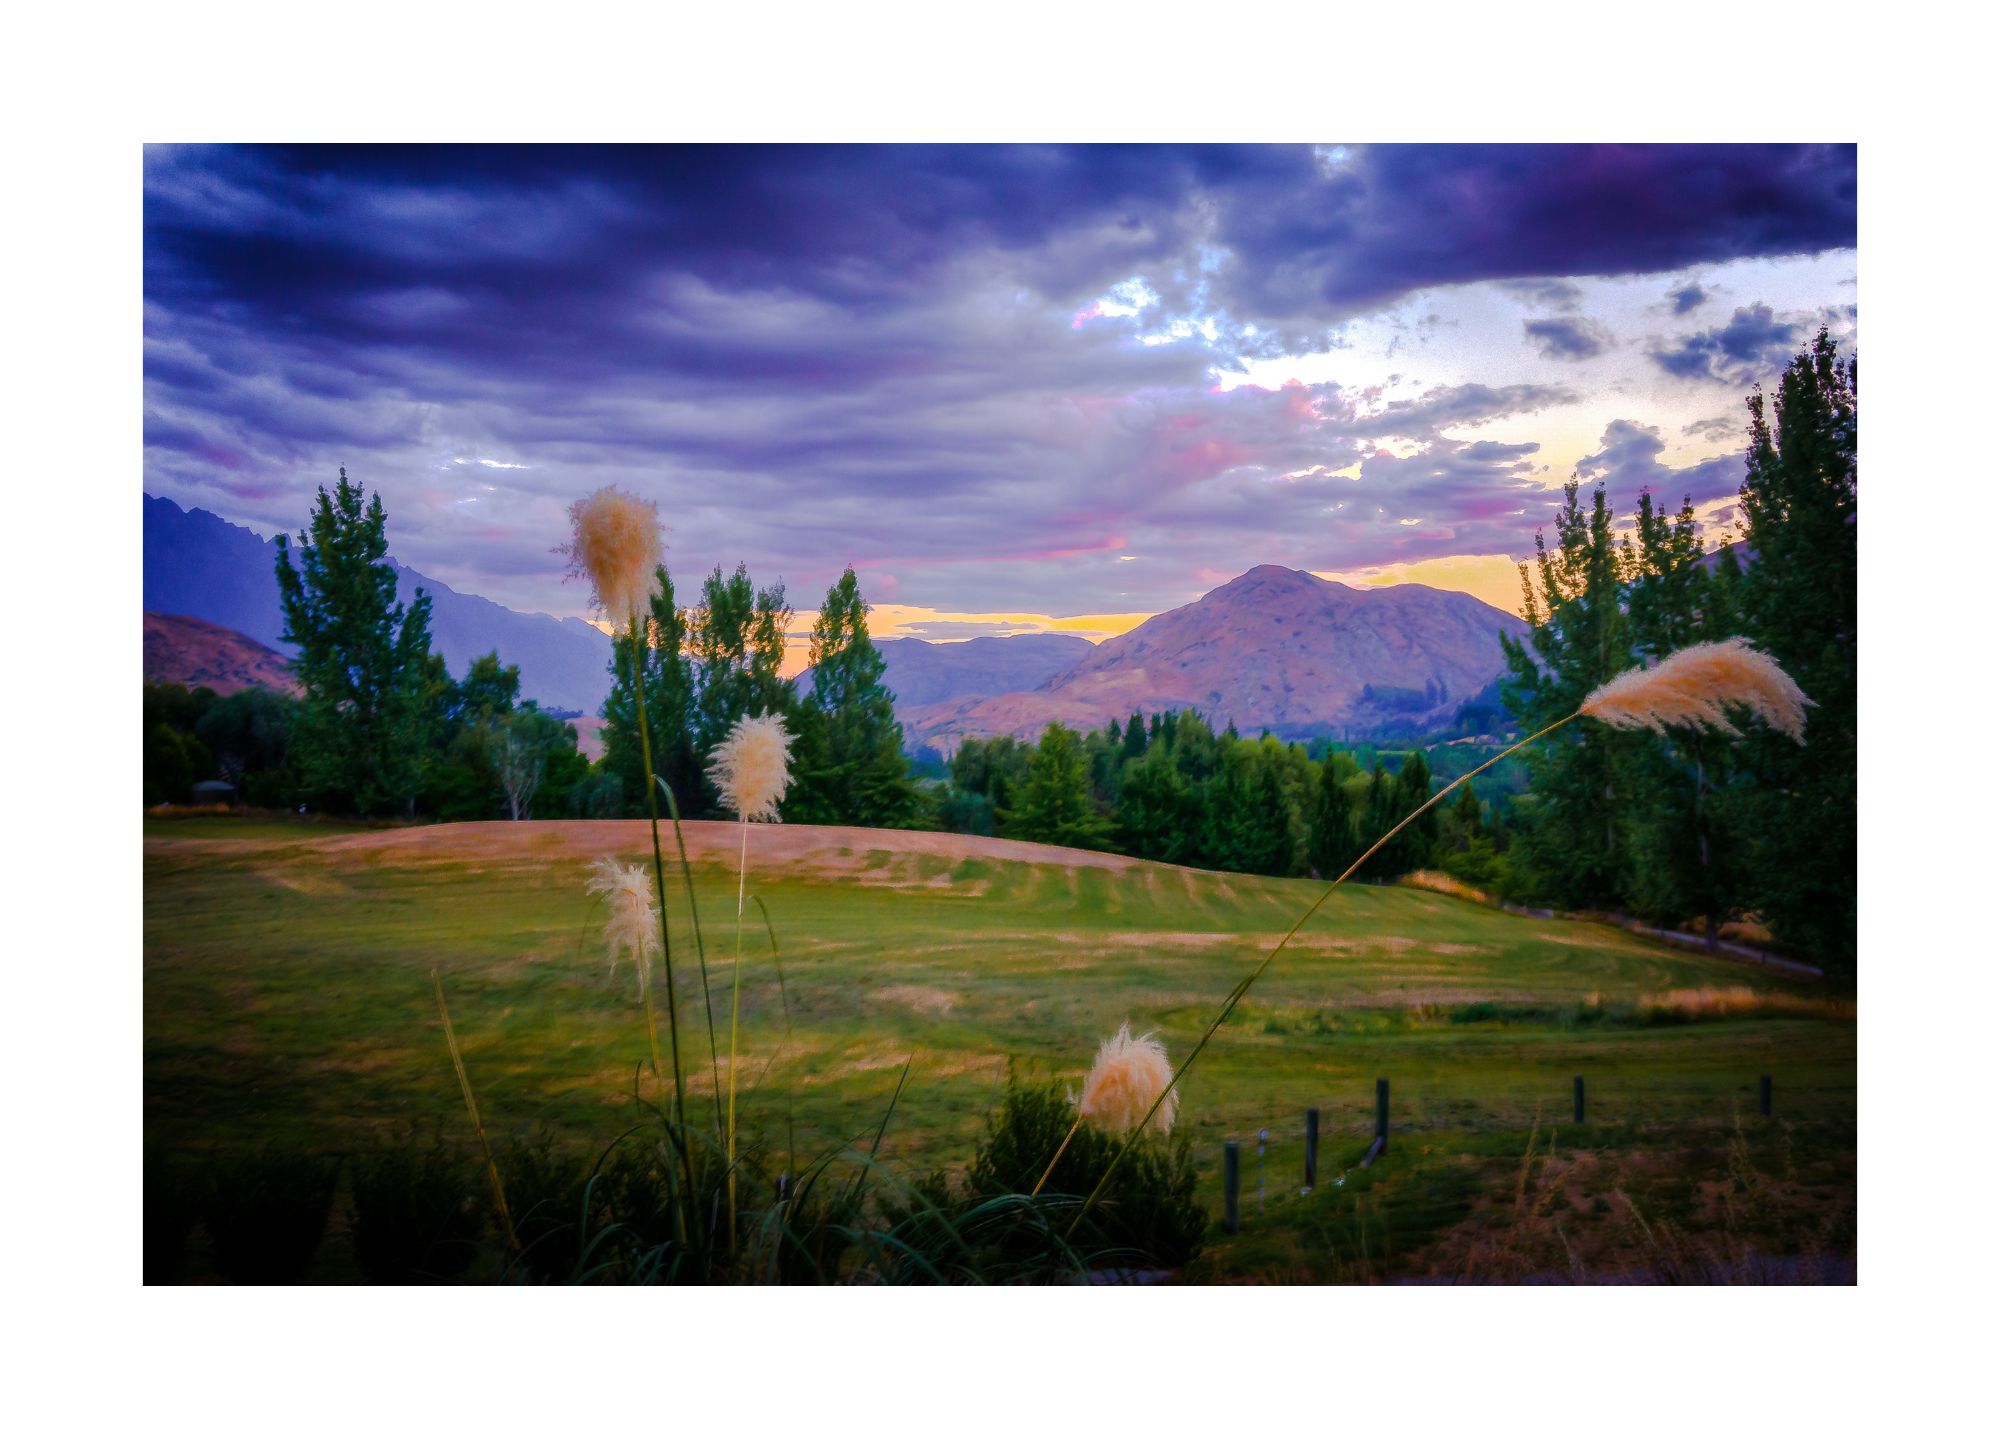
1579	1101
1764	1094
1312	1147
1382	1112
1232	1175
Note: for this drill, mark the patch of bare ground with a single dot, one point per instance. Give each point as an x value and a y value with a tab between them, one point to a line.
931	1001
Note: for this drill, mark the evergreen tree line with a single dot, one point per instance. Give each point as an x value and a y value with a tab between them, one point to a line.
1170	788
709	665
1695	827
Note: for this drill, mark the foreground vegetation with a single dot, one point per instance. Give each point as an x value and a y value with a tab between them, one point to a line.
288	1006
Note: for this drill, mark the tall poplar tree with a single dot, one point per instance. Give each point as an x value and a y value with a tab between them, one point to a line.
362	726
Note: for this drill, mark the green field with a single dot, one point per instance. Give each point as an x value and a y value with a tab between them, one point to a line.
288	1000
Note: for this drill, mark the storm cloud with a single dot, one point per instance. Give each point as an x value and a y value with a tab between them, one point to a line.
986	376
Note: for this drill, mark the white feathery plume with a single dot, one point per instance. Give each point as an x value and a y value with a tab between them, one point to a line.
629	925
1124	1082
751	767
615	543
1692	688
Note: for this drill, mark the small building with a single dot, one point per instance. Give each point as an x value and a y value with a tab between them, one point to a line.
213	791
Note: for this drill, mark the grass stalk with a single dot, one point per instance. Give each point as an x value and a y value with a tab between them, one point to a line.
666	941
700	948
735	1007
472	1109
1237	993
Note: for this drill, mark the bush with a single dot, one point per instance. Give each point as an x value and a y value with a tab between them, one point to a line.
417	1212
1148	1214
267	1214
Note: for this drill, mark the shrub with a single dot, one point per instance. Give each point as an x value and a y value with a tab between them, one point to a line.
267	1213
417	1211
1147	1215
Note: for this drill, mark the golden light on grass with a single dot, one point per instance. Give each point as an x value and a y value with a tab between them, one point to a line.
1695	687
629	925
615	544
1125	1082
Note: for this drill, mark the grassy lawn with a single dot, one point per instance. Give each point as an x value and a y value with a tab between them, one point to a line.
288	1000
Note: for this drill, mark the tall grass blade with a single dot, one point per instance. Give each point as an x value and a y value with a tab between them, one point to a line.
472	1108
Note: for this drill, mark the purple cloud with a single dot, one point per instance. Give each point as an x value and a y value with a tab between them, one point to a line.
1567	339
1752	343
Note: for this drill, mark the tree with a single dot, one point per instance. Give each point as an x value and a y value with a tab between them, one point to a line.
362	726
1155	810
670	711
1799	520
1574	832
851	764
1055	803
1680	865
1336	841
736	642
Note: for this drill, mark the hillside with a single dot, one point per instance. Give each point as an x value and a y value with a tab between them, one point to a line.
183	650
197	564
1274	648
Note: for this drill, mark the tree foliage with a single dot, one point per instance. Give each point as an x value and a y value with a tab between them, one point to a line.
361	734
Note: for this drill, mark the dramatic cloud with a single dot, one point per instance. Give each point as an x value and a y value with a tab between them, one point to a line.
1687	299
1752	343
1567	339
993	378
1629	463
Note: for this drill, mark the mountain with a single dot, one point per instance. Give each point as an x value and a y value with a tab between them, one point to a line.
918	672
1274	648
197	564
185	651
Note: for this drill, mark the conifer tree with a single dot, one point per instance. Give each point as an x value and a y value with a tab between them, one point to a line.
1054	802
364	717
851	764
1578	638
1799	521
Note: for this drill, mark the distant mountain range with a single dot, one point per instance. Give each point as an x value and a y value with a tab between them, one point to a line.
197	564
1273	649
918	672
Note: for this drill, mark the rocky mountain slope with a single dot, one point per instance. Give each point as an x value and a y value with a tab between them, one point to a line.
1274	648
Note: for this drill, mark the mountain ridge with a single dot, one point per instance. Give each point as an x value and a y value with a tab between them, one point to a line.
1274	648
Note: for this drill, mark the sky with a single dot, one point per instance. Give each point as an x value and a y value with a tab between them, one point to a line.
1017	388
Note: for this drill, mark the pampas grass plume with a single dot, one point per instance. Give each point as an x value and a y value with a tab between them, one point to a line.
615	544
750	766
1124	1082
630	925
1693	687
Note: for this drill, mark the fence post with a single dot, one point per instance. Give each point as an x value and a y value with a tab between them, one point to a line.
1232	1175
1764	1094
1579	1101
1382	1111
1312	1147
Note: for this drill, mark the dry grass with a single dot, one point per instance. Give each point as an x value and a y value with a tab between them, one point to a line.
1703	1004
